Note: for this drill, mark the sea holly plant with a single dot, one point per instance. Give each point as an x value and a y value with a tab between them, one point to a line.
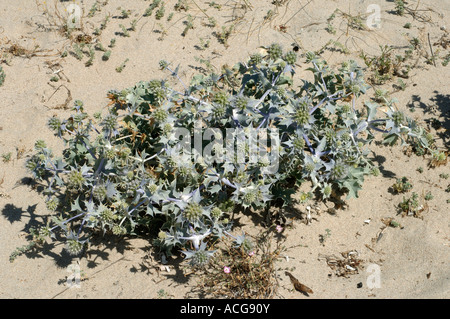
184	156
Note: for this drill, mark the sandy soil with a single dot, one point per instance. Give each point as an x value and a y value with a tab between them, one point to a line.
412	261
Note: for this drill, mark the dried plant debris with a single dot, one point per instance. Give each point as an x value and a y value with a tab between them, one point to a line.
391	222
299	286
348	265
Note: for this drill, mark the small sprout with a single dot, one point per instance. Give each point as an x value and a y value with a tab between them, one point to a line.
2	76
189	24
400	7
411	206
91	57
93	10
163	64
395	224
125	32
375	171
381	95
420	170
444	175
120	68
148	12
324	237
100	47
428	196
133	25
402	185
104	22
212	22
125	13
160	12
78	51
224	35
112	43
106	55
6	157
181	5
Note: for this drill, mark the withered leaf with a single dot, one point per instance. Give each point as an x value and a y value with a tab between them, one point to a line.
299	286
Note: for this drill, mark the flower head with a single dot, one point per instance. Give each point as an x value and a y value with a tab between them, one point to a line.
226	269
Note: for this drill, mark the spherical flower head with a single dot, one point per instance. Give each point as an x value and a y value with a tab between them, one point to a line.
299	144
73	245
110	121
290	57
346	108
220	98
162	235
52	204
249	198
152	188
119	230
78	105
310	167
216	212
255	59
160	115
339	171
100	193
326	190
208	82
301	115
226	269
31	164
398	118
219	111
75	180
193	212
275	51
200	258
55	124
39	145
107	215
252	253
330	135
281	91
167	128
